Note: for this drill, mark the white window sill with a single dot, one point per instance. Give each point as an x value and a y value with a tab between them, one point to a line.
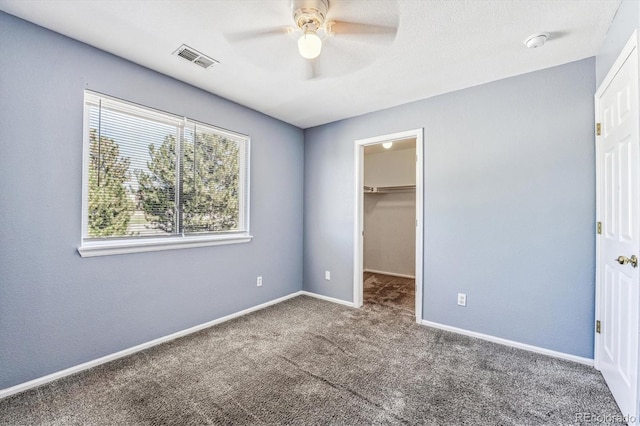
107	248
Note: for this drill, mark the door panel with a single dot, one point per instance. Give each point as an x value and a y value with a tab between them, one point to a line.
607	317
624	290
610	185
626	227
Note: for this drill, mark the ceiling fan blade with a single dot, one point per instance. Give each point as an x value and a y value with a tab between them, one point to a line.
356	28
253	34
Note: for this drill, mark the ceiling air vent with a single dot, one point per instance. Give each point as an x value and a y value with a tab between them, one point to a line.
192	55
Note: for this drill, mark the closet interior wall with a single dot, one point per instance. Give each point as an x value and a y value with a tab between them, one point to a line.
389	210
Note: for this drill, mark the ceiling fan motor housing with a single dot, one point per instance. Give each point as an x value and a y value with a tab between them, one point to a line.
307	12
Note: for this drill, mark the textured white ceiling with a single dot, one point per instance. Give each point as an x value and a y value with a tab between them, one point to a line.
440	46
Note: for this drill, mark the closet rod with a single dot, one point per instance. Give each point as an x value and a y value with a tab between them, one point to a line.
387	189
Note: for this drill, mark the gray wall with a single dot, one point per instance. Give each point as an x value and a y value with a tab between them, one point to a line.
626	20
58	310
509	205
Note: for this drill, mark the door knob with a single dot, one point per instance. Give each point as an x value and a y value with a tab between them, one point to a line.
623	260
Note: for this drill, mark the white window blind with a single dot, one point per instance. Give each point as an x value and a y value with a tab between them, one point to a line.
152	176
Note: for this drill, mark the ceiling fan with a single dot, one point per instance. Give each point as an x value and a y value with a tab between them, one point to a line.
318	29
310	17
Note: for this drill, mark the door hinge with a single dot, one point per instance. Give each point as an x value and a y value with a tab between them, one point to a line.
599	228
598	325
598	129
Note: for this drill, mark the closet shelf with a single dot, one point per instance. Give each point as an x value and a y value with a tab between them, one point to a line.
389	189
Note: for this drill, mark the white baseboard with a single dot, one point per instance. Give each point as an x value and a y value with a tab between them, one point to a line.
393	274
94	363
327	298
514	344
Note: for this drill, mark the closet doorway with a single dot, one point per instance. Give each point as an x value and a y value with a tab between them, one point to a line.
388	221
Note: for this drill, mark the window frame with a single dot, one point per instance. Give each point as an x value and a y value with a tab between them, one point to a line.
90	247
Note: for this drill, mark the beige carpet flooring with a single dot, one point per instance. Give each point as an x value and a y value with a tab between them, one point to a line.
390	291
310	362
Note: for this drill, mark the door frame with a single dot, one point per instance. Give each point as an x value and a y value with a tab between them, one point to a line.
358	249
630	48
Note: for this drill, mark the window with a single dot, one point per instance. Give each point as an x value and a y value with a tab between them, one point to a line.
154	181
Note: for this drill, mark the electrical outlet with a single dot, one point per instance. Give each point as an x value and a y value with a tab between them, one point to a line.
259	282
327	275
462	299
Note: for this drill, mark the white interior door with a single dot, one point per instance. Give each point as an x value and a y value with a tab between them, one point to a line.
618	164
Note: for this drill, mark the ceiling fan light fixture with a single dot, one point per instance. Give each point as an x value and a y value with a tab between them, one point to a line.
309	45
